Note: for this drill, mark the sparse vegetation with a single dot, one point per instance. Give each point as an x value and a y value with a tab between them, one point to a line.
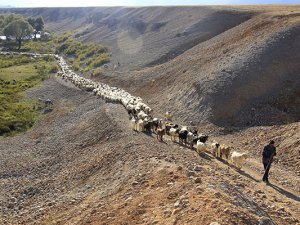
40	46
17	74
97	72
83	57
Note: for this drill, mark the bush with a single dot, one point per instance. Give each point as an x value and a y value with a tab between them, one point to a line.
87	56
100	60
97	72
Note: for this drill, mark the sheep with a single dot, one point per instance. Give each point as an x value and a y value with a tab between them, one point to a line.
147	126
133	123
140	125
238	159
215	146
160	134
142	115
174	132
202	138
224	150
133	105
169	126
191	136
183	135
201	147
155	123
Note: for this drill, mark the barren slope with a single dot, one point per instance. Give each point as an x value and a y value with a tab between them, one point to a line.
141	36
81	164
232	66
246	76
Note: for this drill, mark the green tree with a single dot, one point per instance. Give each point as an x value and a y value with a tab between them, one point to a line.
11	17
19	29
37	23
2	23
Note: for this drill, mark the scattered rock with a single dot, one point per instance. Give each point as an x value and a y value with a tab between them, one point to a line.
198	168
197	180
214	223
179	168
265	221
175	211
135	183
190	173
177	204
167	213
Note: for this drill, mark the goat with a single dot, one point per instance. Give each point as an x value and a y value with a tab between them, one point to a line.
224	150
174	132
238	159
183	136
201	147
215	146
160	134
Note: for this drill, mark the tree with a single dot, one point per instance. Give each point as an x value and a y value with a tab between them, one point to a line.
19	29
37	23
2	23
11	17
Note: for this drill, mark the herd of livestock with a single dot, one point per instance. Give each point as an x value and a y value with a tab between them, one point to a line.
141	115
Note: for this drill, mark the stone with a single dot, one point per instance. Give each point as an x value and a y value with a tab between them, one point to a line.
199	189
226	210
198	168
175	211
177	204
214	223
197	180
190	173
155	222
167	213
179	168
265	221
135	183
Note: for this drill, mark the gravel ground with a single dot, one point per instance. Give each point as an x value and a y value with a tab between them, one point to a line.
81	164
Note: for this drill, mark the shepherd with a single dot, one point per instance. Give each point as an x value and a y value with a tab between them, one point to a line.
267	158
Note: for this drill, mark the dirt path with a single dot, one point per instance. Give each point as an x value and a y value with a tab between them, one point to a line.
277	197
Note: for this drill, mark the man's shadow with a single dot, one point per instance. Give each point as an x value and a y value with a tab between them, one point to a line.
285	193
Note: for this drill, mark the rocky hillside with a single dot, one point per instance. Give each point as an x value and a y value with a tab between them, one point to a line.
82	164
232	66
141	36
234	71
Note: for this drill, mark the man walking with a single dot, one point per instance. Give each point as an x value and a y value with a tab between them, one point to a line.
267	157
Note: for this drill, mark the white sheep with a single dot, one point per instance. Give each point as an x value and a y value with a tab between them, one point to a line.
238	159
201	147
141	125
215	147
173	133
134	124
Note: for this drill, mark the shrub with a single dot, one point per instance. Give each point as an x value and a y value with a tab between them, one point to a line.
97	72
87	56
100	60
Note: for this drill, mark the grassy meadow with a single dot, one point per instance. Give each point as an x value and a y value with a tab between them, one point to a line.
17	74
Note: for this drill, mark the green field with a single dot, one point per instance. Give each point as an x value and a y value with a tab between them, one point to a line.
17	74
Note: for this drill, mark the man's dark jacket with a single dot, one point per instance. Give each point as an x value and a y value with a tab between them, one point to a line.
268	152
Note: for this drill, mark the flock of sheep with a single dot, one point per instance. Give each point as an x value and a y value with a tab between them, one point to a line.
141	117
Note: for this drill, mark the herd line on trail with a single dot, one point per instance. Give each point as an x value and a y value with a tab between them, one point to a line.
141	115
